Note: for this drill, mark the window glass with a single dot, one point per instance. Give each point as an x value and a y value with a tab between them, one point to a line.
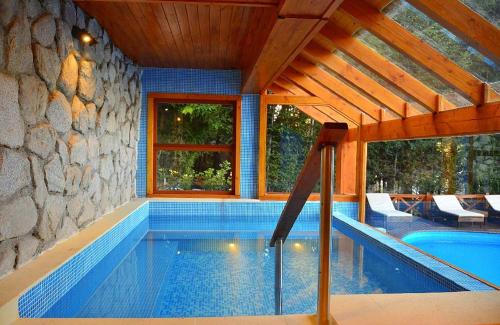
489	9
194	170
194	123
290	136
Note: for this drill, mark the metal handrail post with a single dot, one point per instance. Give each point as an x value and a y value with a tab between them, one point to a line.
325	229
278	277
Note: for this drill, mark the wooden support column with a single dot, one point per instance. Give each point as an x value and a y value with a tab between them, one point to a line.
361	179
346	165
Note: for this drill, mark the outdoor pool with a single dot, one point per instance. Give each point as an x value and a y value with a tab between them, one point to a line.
474	252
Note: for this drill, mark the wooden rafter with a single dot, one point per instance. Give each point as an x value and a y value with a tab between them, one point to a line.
296	24
332	37
465	23
341	106
337	86
400	38
323	112
315	53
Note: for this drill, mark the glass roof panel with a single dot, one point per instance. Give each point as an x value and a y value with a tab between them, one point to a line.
413	68
443	41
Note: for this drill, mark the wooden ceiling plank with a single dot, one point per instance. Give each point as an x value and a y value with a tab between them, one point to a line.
173	23
215	34
317	54
225	30
465	23
204	26
337	86
137	14
182	20
343	107
166	32
193	22
236	3
239	20
400	38
332	37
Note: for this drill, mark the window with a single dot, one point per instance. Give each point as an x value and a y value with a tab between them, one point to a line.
193	145
286	136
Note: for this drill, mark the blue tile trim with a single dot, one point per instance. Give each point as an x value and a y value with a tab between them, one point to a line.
450	277
196	81
41	297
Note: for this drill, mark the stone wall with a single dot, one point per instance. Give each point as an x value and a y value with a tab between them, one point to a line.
69	117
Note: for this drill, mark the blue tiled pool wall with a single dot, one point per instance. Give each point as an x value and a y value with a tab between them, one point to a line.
197	81
377	220
41	297
236	215
449	277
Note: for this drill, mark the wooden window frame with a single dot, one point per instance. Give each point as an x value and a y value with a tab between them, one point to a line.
153	147
266	100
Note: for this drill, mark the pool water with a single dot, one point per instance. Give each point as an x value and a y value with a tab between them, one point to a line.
211	273
474	252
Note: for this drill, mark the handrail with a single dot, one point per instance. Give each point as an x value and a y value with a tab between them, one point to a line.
330	134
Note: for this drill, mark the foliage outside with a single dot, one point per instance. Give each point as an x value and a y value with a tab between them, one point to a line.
290	135
198	124
459	165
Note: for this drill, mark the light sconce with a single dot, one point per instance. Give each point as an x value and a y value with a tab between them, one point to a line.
83	36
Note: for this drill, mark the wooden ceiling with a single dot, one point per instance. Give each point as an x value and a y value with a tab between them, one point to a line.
289	47
184	34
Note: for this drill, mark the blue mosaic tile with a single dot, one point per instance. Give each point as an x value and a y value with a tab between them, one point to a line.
197	81
42	296
448	276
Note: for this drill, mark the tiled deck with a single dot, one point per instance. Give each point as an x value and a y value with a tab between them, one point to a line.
400	229
458	308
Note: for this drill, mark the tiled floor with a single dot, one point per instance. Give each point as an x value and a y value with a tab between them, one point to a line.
458	308
400	229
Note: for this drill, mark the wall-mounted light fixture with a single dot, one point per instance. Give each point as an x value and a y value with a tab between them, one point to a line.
83	36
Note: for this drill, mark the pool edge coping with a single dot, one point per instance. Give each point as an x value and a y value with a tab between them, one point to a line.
17	283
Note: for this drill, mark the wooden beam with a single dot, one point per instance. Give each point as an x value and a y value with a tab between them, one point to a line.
332	37
317	54
296	24
345	166
240	3
457	122
400	38
343	107
337	86
465	23
361	164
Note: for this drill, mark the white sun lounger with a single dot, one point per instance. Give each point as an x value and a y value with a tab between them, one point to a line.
449	204
494	203
381	203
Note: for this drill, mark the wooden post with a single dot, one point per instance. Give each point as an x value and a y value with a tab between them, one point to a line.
345	167
361	179
325	228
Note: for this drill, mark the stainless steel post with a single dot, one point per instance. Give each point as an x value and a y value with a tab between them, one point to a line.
325	228
278	277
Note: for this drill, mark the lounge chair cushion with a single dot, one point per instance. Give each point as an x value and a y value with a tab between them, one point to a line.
493	201
450	204
381	203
